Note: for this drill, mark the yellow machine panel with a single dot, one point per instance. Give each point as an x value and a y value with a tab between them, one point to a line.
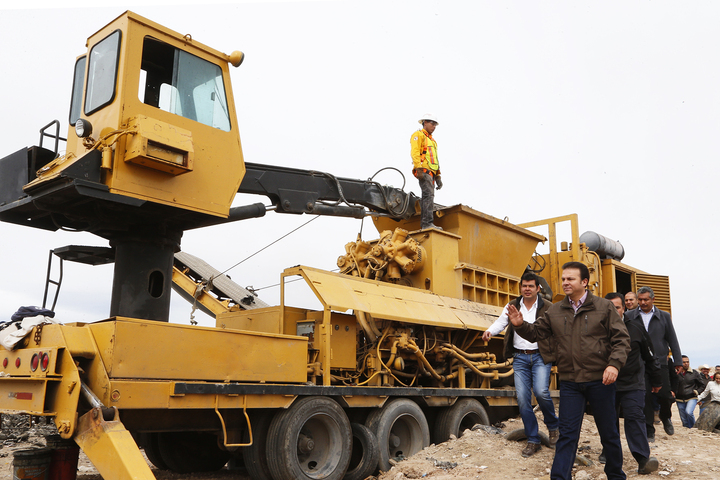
149	350
404	304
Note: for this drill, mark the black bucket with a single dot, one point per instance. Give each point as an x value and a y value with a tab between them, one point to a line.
31	464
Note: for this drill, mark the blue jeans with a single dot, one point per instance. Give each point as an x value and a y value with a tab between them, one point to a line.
686	409
532	375
573	397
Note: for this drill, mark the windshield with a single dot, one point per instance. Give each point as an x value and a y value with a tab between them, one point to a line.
102	72
183	84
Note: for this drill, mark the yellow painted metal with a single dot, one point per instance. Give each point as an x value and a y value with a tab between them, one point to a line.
143	349
367	401
146	148
159	145
484	240
393	302
215	305
486	286
54	392
268	320
153	395
111	448
438	273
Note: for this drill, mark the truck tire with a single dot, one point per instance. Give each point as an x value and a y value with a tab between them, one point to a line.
149	443
709	418
401	430
465	414
518	435
188	452
310	440
255	455
365	453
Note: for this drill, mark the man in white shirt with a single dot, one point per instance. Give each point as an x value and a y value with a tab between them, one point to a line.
531	363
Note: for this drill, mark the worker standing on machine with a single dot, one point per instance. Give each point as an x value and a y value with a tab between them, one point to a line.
426	167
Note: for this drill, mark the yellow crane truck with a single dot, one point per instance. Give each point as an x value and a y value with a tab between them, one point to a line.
393	361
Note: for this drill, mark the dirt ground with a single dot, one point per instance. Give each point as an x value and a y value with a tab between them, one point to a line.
689	454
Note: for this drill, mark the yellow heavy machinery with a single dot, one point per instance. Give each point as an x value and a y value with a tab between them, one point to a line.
393	360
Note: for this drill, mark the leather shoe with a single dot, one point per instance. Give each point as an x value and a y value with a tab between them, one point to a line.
553	436
668	426
530	449
602	458
648	465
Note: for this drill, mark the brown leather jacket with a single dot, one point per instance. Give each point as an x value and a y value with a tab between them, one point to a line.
587	341
546	346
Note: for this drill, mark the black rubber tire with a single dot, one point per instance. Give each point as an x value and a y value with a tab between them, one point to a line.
402	423
310	440
518	435
365	453
188	452
463	415
255	456
709	419
149	443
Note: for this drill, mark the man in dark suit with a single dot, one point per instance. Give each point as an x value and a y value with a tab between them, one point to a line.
659	326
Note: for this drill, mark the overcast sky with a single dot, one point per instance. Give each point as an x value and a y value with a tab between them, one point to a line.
605	109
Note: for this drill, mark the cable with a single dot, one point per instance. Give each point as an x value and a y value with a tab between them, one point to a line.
269	245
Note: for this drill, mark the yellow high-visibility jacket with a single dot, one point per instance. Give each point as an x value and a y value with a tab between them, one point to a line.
424	152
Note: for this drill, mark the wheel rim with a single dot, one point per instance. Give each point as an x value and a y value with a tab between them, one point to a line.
319	446
405	437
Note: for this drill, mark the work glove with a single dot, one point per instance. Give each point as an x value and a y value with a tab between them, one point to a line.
438	182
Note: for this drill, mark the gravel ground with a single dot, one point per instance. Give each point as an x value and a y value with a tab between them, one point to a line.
480	454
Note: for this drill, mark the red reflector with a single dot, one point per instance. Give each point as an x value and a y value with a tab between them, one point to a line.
17	362
5	362
45	361
23	396
34	362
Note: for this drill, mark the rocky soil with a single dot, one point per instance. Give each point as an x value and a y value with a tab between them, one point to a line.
477	454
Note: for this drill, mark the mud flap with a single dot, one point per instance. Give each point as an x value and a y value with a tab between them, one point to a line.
110	447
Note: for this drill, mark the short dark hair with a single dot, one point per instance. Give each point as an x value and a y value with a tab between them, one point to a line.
685	356
530	277
612	295
646	290
584	272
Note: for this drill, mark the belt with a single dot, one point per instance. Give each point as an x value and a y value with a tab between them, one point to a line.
526	352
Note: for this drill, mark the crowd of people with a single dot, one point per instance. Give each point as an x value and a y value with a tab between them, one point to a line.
619	355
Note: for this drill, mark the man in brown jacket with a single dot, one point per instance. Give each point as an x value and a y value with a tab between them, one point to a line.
592	346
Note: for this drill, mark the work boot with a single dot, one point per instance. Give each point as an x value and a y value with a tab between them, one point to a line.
668	426
647	465
432	225
554	435
602	458
530	449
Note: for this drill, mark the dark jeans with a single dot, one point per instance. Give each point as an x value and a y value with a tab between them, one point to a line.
633	404
427	202
573	397
664	398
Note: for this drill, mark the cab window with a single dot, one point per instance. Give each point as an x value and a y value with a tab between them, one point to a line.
183	84
102	73
77	90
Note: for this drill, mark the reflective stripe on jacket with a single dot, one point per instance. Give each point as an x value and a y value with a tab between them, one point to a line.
424	151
